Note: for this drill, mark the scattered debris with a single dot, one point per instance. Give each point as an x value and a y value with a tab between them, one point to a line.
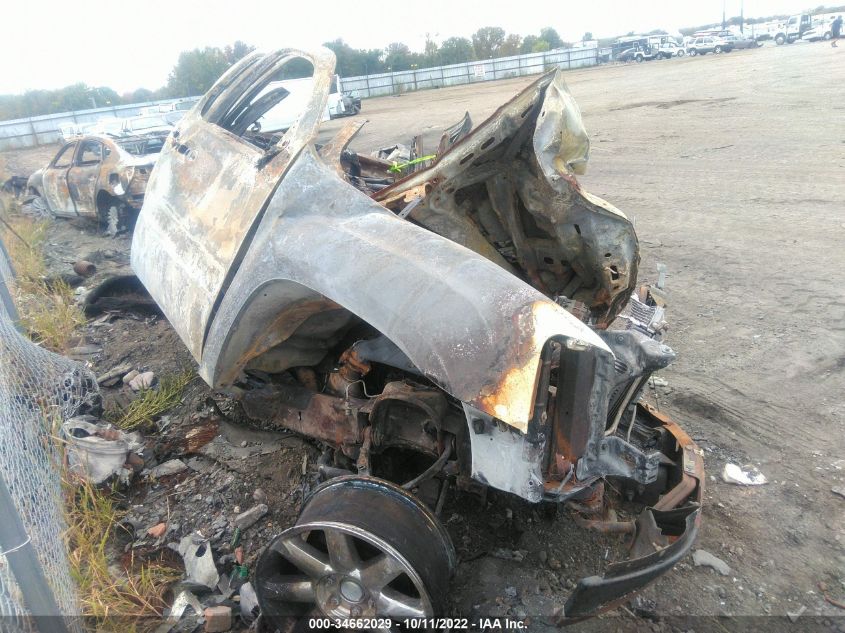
170	467
249	602
200	435
218	619
182	601
247	519
746	475
199	563
130	376
84	350
657	381
112	376
97	451
839	492
84	268
836	603
509	554
396	153
158	530
704	558
142	381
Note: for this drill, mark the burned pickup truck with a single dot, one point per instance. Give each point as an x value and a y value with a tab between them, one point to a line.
479	318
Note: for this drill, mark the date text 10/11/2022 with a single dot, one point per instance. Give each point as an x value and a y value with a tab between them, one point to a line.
449	624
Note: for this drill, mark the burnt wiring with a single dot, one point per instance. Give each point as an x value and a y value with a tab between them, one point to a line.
432	470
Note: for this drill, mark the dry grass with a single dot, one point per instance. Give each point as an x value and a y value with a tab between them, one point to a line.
113	597
152	402
47	311
116	599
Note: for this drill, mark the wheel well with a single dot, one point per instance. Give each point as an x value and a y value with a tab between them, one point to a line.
104	201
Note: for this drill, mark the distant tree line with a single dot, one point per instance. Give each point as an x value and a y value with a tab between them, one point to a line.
194	73
196	70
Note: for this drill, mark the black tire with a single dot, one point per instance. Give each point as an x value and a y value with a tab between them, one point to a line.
681	53
717	50
827	36
779	39
693	52
639	59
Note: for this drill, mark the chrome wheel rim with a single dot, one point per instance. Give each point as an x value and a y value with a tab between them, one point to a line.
326	571
362	548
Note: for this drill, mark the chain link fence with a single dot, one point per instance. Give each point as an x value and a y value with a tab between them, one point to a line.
38	391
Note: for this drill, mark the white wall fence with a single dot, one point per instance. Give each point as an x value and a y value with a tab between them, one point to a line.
384	84
44	129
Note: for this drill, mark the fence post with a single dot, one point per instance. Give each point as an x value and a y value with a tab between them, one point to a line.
442	79
34	133
20	554
415	80
392	85
367	83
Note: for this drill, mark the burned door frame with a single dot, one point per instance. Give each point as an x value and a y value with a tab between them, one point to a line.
208	152
83	190
55	183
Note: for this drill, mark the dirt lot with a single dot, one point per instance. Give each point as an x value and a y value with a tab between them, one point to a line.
733	169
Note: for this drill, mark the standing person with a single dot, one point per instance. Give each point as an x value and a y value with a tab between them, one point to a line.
835	31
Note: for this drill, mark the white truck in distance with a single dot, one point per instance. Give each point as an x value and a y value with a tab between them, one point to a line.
281	116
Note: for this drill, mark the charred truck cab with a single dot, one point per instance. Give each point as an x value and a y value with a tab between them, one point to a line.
482	312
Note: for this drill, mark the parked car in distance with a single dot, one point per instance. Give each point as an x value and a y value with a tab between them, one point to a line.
708	44
637	53
741	41
670	49
133	126
97	177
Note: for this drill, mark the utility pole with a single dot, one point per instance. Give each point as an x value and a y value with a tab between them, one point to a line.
742	17
724	23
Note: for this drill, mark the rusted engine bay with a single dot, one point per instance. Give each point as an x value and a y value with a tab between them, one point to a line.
481	311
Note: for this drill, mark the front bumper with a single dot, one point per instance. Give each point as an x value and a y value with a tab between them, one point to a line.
664	534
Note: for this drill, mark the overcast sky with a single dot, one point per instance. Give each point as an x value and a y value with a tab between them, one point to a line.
128	45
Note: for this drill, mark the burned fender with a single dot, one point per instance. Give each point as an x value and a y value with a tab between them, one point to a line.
470	326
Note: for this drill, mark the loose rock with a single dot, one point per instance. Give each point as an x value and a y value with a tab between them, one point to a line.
251	516
704	558
170	467
142	381
218	619
114	374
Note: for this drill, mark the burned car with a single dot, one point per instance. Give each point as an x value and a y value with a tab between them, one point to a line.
97	177
479	317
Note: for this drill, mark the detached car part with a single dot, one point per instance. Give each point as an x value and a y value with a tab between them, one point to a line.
481	313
